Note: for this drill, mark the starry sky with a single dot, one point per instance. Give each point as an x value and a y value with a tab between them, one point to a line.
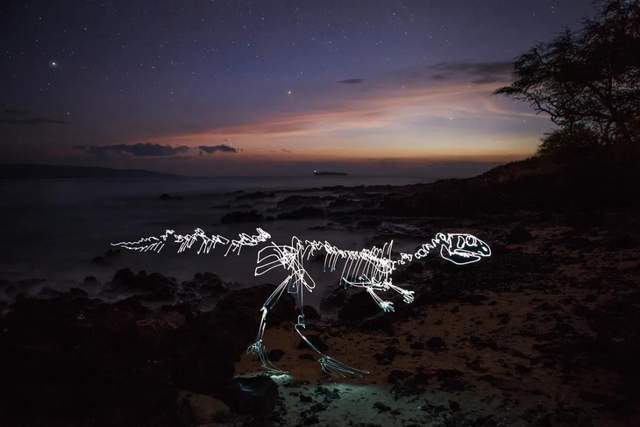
213	87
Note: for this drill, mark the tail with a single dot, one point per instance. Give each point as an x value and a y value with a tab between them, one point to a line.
146	244
185	242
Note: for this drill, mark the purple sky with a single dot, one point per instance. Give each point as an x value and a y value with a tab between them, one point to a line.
269	87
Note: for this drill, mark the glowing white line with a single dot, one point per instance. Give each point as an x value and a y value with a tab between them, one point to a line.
370	269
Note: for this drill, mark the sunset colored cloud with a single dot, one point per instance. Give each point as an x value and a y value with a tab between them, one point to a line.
437	120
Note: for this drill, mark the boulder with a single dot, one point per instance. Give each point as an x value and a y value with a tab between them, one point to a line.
70	358
304	212
358	307
310	313
207	348
152	286
252	395
197	409
241	216
203	285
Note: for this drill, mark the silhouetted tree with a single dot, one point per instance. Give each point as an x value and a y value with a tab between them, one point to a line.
589	80
567	143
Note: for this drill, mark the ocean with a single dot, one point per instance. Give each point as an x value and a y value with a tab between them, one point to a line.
53	229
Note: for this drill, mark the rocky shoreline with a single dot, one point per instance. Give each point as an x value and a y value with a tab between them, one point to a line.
542	333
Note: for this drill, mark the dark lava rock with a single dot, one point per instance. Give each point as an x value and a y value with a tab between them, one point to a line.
152	286
296	200
503	318
315	340
386	357
157	331
318	407
328	395
405	383
518	234
380	322
433	410
451	380
454	406
305	399
481	344
256	195
396	376
49	292
310	313
301	213
99	261
275	354
256	395
381	407
335	299
207	347
417	345
100	364
357	307
90	281
241	216
436	344
202	285
309	419
70	359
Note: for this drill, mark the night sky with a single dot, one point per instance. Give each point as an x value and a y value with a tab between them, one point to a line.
269	87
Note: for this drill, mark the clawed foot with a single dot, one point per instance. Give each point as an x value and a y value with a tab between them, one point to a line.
258	348
333	367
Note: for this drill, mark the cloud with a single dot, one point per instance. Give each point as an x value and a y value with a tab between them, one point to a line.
14	116
221	148
350	81
474	72
137	150
478	72
403	114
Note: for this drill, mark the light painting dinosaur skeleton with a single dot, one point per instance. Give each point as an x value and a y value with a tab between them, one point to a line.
370	269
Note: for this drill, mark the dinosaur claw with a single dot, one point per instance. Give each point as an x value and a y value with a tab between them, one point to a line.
332	367
260	350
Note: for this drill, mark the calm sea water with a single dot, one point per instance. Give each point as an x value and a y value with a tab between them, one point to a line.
53	228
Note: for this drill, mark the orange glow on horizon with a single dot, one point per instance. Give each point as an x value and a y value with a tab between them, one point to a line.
443	122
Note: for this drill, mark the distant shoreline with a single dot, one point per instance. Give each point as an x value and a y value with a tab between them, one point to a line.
36	171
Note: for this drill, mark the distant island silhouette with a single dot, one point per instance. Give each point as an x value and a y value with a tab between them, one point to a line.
328	173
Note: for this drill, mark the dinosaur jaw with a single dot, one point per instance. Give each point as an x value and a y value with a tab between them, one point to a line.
459	256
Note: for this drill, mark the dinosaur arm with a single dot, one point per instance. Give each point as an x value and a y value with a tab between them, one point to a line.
370	287
407	296
386	306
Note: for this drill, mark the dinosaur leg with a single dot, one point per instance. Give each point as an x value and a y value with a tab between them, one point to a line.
258	348
327	363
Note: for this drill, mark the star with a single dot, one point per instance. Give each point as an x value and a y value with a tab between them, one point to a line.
290	92
53	64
